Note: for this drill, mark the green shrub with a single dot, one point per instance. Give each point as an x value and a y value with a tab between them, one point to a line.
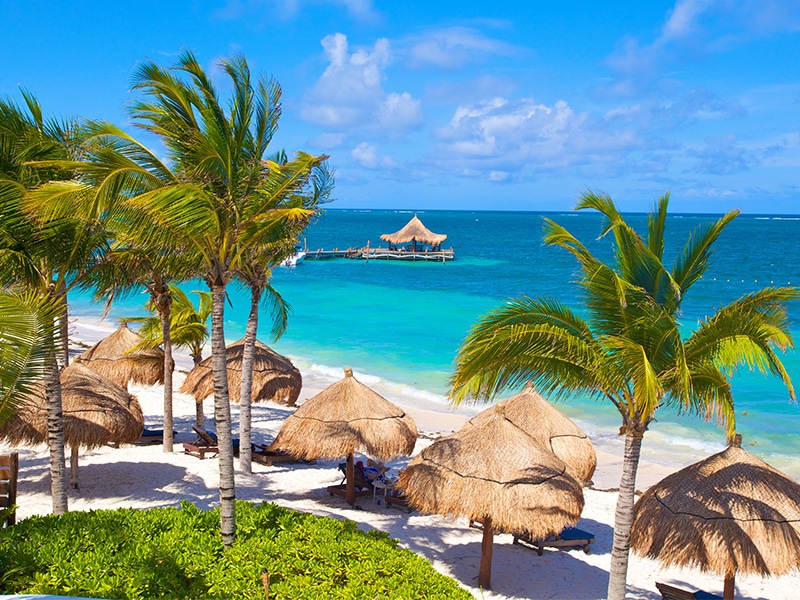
178	553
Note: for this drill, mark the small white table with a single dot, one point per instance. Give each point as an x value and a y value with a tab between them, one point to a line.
387	486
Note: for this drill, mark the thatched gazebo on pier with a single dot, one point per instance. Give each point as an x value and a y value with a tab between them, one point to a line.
275	378
415	232
118	358
343	419
495	472
730	513
97	412
551	428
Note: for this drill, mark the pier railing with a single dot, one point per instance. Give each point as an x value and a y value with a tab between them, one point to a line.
367	253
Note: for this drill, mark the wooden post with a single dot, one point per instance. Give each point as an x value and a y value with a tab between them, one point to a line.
73	467
485	570
727	592
350	485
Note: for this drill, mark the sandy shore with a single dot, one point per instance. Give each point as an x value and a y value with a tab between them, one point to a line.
145	476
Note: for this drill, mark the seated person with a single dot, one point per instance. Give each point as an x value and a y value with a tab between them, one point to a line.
373	471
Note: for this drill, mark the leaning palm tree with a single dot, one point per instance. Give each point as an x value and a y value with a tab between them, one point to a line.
227	199
628	349
46	258
188	328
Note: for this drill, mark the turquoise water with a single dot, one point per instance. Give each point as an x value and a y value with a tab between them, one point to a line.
401	324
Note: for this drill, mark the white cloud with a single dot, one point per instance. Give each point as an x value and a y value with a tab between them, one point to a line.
359	10
366	155
350	94
452	48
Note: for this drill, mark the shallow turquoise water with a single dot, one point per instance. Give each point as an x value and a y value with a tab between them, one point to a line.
402	323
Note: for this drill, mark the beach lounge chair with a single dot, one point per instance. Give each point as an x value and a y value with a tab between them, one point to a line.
153	436
362	484
9	470
570	538
262	454
669	592
206	443
396	499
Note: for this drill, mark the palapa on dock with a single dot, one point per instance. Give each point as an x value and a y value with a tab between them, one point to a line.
422	244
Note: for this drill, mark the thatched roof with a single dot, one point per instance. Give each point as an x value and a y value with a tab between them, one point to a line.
494	469
96	411
550	427
728	513
114	358
414	230
346	418
274	376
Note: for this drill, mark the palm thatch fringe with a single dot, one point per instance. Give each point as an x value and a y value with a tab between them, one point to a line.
275	378
730	513
96	412
550	427
494	470
414	230
346	418
114	357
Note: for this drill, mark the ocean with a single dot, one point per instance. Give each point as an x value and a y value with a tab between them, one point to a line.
399	325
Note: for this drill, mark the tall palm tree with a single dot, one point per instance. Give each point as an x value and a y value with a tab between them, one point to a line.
188	328
628	350
46	258
224	202
113	168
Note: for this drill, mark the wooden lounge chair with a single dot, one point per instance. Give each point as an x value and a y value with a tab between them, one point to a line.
9	470
262	454
206	443
569	538
398	500
669	592
153	436
362	484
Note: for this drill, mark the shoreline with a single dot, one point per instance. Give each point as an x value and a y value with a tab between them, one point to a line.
436	421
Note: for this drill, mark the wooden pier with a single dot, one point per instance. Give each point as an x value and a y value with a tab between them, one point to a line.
367	253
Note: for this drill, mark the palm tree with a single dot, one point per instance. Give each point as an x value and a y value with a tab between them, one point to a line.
113	168
255	272
628	349
224	201
188	328
46	258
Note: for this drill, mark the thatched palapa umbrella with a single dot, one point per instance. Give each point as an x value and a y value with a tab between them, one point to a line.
726	514
414	231
114	357
97	411
550	427
496	472
343	419
274	376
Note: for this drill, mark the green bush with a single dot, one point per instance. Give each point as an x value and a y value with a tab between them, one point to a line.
178	553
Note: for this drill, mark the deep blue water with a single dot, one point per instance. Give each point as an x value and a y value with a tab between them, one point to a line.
402	323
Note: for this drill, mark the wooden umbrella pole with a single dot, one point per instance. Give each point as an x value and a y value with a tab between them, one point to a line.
727	592
485	570
73	467
350	485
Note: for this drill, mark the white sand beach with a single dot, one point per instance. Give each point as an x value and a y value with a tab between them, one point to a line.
144	476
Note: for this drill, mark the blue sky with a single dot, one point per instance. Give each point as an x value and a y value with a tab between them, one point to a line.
469	105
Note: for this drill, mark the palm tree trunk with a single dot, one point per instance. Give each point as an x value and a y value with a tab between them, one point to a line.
199	416
55	435
246	392
623	518
63	325
164	304
222	418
